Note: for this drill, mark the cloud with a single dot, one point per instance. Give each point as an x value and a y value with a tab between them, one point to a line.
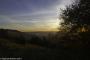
32	14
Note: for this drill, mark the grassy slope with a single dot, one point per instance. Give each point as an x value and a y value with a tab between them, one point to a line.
34	52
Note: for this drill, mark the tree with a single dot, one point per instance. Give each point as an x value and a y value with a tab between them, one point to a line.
76	17
76	21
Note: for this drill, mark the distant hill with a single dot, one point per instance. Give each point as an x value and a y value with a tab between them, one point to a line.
18	37
8	33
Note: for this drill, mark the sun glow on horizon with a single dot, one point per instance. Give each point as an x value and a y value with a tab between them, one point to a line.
50	25
29	15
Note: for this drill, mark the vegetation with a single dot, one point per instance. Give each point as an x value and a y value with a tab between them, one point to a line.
77	21
72	43
76	16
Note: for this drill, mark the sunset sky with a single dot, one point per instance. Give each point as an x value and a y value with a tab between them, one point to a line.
31	15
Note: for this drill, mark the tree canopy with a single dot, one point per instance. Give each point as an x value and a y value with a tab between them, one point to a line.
76	16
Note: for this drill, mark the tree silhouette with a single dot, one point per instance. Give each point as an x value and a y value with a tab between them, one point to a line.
76	21
76	17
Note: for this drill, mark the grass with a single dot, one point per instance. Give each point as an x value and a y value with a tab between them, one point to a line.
36	52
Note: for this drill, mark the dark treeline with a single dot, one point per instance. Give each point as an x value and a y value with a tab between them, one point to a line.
26	38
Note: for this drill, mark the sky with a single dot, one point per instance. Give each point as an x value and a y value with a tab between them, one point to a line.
31	15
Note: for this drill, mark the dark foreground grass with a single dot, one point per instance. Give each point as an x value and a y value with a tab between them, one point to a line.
9	49
46	53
